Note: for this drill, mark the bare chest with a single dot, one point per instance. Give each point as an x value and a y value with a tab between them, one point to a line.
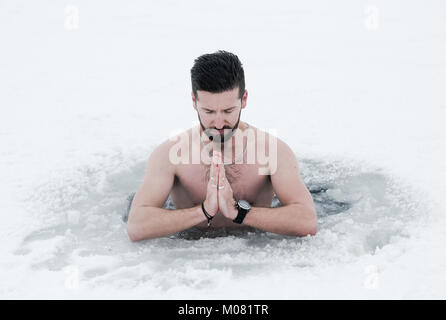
191	184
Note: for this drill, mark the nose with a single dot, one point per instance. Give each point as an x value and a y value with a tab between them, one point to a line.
219	122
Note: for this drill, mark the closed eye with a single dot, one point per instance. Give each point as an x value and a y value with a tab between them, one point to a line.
226	111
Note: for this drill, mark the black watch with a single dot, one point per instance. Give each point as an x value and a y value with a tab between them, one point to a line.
243	208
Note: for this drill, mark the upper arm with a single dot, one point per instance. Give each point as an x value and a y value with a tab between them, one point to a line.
158	179
286	180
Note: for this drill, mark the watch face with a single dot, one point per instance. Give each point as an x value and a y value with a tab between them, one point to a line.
244	204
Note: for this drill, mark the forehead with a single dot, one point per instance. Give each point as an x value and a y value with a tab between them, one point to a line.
223	99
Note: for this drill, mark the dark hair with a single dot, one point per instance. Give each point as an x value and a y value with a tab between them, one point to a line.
217	72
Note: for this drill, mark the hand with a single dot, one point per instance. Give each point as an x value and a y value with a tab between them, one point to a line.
226	201
211	201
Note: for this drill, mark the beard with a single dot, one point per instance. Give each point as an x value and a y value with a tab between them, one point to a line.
216	137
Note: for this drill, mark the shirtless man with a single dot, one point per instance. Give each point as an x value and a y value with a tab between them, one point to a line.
208	193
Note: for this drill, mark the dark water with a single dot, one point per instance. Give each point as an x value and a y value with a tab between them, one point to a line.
325	205
327	182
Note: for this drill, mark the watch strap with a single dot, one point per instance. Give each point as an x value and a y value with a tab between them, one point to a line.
241	214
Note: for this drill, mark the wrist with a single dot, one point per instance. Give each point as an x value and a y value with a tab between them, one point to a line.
234	209
208	216
208	209
243	208
199	214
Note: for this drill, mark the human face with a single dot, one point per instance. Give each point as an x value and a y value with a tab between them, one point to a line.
219	113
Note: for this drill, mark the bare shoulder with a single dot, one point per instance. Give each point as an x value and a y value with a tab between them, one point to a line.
284	150
270	140
160	158
263	138
271	150
174	150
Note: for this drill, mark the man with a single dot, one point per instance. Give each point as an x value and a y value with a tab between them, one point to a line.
222	188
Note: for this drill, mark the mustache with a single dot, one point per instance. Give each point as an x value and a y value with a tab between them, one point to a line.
219	136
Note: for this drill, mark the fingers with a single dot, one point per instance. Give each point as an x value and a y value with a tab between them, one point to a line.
222	175
214	169
212	173
216	161
216	157
222	183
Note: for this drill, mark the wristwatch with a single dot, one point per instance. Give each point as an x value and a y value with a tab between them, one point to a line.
243	208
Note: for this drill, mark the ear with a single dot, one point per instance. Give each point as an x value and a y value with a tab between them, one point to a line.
244	99
194	101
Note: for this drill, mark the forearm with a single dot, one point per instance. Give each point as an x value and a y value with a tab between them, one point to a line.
295	220
153	222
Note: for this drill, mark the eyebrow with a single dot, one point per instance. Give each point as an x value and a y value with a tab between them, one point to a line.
223	109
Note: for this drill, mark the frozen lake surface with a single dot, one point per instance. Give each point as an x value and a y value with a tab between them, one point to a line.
360	211
355	89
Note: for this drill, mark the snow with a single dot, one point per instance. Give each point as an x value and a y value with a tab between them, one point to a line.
88	89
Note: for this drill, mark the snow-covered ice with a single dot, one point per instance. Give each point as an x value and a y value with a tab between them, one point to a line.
88	89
